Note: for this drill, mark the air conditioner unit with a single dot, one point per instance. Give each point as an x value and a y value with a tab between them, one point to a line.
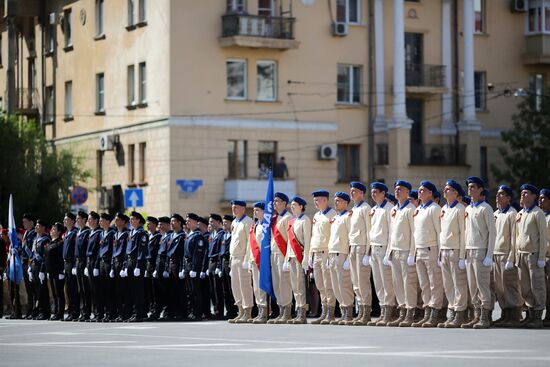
105	198
519	6
339	29
107	142
53	19
328	151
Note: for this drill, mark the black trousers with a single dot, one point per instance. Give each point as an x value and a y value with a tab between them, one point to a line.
177	293
41	291
135	296
152	291
227	292
215	289
105	301
120	291
29	288
84	291
15	300
93	285
71	286
58	294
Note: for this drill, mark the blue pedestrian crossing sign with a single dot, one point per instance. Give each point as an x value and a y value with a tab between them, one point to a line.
133	198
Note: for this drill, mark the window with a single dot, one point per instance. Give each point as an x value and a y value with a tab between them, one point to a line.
131	86
142	150
100	93
267	154
68	28
349	84
236	6
266	82
236	159
50	34
131	163
131	13
266	8
68	100
50	104
348	11
236	79
479	16
348	162
99	21
536	91
142	14
142	83
480	90
538	17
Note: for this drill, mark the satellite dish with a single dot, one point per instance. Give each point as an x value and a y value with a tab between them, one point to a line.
307	2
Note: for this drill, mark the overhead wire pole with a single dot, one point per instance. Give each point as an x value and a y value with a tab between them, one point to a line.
370	135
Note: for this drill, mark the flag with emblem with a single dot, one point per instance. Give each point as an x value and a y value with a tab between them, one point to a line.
15	267
266	283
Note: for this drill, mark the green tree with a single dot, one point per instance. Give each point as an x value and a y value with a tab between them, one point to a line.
526	154
38	175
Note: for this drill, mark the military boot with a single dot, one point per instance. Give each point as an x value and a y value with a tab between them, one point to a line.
484	320
246	317
274	321
239	315
300	317
409	318
396	322
349	317
536	320
472	322
286	316
359	314
344	312
365	317
329	316
503	319
450	319
513	320
458	320
262	316
546	321
528	317
323	316
427	313
435	318
383	311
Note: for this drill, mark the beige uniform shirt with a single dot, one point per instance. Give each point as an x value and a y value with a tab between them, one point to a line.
480	227
427	225
320	230
240	229
505	223
259	236
380	219
548	236
282	224
532	232
302	232
339	234
402	228
360	226
453	226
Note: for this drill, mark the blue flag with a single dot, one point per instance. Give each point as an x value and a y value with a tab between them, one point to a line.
15	268
266	283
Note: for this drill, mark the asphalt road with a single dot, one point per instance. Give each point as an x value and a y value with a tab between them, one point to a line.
217	343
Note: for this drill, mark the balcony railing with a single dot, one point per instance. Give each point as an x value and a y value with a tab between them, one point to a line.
26	100
421	75
537	49
438	155
258	26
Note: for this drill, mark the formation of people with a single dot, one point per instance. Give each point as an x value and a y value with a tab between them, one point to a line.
432	265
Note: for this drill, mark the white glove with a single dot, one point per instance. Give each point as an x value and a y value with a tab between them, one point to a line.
410	260
29	270
146	274
386	260
47	276
95	272
541	264
122	274
112	274
137	272
229	274
462	264
181	274
155	274
42	277
246	265
311	276
305	267
86	272
61	276
219	273
207	272
487	261
30	277
439	263
310	262
165	274
366	260
509	265
193	274
73	271
203	275
286	267
345	265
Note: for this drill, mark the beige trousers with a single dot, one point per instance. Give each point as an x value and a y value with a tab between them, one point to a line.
323	279
506	282
429	277
405	280
479	279
281	280
381	275
298	282
360	275
341	280
241	283
547	269
259	295
455	280
532	281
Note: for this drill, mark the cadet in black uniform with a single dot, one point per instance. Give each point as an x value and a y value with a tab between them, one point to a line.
205	291
117	267
54	269
161	271
38	270
136	251
177	293
215	241
69	264
26	256
106	309
224	267
151	283
3	259
92	263
195	250
80	249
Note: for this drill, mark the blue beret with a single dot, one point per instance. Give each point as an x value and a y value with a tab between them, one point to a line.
529	187
403	183
239	203
282	196
358	185
485	193
436	194
413	194
379	186
428	185
322	193
343	196
467	199
455	185
299	200
259	204
545	192
391	198
508	190
475	180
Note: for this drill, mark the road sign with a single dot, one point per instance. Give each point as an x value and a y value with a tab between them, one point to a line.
79	195
189	187
133	198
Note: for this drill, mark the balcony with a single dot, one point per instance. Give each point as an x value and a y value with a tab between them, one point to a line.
255	31
425	79
537	50
438	155
26	101
254	190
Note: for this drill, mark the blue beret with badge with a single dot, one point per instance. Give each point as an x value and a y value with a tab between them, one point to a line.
529	187
358	185
343	196
379	186
428	185
545	193
508	190
282	196
320	193
299	200
239	203
476	181
260	205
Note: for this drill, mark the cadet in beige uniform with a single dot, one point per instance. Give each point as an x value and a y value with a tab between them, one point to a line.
299	237
279	245
380	217
339	263
255	241
427	227
531	247
505	273
241	282
318	255
480	243
401	252
544	203
452	254
359	252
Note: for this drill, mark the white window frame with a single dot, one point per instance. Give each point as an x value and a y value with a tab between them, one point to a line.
351	90
68	99
271	8
243	61
50	42
50	103
359	17
537	90
275	84
142	78
131	85
142	11
131	4
99	18
542	5
483	5
68	27
100	93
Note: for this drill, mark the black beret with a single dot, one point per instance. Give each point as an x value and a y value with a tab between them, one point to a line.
203	220
106	216
82	214
178	217
42	222
228	217
29	216
193	216
216	217
153	220
122	216
94	215
164	220
138	216
70	216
